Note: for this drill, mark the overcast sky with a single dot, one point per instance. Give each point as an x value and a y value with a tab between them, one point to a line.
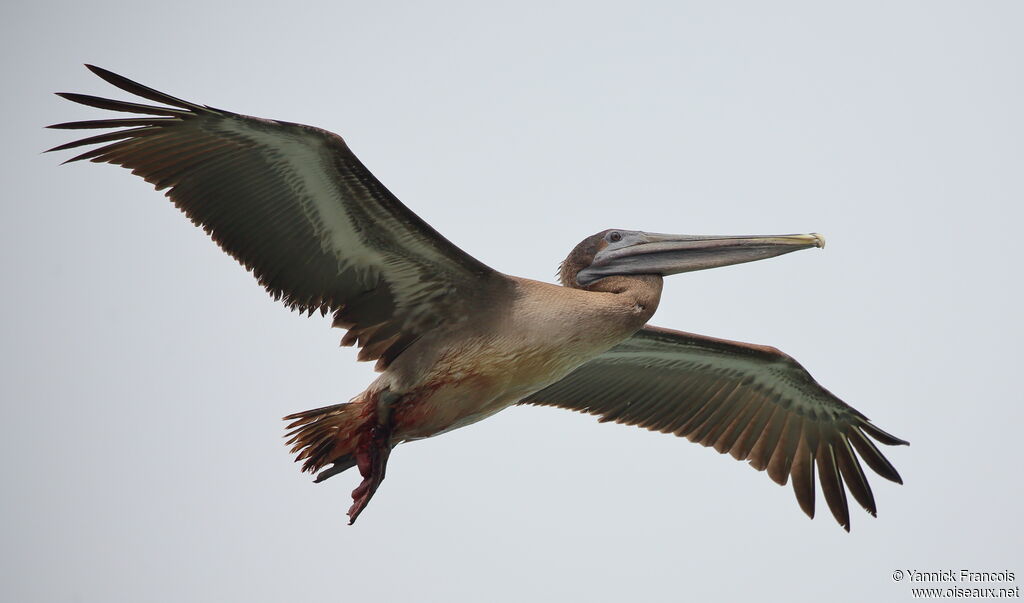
144	373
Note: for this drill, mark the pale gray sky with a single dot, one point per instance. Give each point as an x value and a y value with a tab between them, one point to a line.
144	373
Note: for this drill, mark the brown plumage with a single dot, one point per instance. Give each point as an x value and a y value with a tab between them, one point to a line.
457	341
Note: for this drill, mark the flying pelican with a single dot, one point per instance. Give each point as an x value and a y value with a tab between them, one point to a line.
456	341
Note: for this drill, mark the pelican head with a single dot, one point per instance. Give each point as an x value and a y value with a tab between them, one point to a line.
618	252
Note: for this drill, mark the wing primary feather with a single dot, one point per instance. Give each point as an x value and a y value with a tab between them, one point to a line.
139	90
97	154
871	455
854	476
123	106
164	151
183	158
129	133
832	485
96	124
882	436
803	473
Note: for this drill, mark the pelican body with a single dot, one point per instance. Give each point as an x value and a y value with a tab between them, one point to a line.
456	341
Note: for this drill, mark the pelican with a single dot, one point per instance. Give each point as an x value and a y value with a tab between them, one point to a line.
456	341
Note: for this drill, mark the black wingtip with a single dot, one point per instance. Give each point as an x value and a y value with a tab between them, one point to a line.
139	90
106	75
871	455
882	436
103	73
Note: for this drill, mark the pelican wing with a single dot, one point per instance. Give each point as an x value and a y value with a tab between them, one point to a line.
296	207
751	401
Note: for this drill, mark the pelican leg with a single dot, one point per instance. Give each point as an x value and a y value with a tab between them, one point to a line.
342	463
372	459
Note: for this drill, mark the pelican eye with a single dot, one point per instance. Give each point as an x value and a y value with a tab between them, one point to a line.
614	237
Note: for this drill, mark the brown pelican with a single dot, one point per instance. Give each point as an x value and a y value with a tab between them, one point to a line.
456	341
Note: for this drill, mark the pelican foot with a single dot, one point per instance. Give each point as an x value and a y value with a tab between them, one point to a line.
338	465
372	459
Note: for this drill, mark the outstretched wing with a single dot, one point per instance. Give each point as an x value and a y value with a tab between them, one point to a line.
752	401
295	206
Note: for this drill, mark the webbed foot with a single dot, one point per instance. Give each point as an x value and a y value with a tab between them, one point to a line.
372	460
